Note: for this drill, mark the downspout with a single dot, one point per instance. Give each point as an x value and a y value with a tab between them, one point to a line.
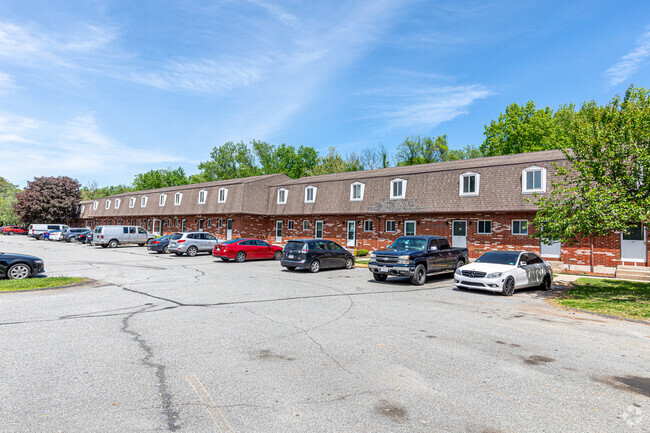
591	258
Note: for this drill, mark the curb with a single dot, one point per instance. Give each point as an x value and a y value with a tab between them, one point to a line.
85	282
360	265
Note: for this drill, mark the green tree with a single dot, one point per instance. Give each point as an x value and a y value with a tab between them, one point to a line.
524	128
421	150
333	162
229	161
48	199
8	193
160	178
92	191
285	159
353	163
375	157
467	152
607	185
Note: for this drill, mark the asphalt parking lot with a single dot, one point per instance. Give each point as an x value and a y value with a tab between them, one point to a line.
166	343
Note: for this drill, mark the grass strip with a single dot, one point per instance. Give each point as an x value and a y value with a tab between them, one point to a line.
625	299
37	283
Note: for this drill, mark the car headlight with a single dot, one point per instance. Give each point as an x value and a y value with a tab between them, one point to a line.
403	260
373	256
458	272
38	261
494	275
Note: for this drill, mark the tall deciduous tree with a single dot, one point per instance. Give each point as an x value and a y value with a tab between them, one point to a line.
8	193
48	199
422	150
229	161
375	157
607	186
160	178
92	191
524	128
467	152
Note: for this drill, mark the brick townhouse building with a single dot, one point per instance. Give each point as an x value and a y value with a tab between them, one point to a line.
483	204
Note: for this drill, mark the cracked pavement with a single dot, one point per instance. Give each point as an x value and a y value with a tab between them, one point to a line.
166	343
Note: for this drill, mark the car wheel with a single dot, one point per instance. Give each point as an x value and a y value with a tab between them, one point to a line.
11	233
508	287
379	277
546	283
240	257
149	241
166	249
192	251
291	268
277	255
459	264
419	275
113	243
225	259
349	263
314	267
72	239
39	237
19	271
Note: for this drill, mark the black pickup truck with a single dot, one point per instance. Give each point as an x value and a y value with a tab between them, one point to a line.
416	257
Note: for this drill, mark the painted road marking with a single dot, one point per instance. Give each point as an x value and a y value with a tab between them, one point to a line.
208	402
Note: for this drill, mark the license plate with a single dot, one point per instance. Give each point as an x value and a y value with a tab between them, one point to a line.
383	269
291	256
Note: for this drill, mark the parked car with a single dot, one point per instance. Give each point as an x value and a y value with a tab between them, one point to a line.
160	244
46	235
505	272
19	266
112	236
315	254
13	230
89	238
37	230
75	234
416	257
57	235
241	250
192	243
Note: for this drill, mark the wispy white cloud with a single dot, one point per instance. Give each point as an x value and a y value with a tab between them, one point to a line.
629	63
6	82
423	108
276	11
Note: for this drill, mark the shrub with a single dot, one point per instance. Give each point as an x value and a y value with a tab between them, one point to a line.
360	253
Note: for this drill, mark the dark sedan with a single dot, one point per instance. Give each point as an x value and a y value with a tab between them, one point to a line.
19	266
159	245
315	254
74	235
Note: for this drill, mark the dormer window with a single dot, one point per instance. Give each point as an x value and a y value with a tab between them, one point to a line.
310	194
223	195
108	204
177	198
469	184
118	201
282	195
356	191
132	202
533	179
203	195
95	205
162	200
397	189
143	201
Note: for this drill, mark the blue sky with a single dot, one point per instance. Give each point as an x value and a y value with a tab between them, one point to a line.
103	90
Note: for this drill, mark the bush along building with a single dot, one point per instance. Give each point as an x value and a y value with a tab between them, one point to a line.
482	204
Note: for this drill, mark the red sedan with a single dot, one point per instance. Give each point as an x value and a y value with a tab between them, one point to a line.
241	250
11	230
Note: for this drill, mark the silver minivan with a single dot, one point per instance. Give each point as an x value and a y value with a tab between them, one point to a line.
192	243
112	236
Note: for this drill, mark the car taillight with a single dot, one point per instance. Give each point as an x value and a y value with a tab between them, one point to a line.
101	237
181	241
304	249
156	242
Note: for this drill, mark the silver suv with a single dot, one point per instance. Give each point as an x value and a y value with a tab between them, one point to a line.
192	243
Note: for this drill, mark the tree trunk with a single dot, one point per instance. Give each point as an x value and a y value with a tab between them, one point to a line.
591	258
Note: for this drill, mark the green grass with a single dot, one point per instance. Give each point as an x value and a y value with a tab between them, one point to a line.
37	283
362	261
625	299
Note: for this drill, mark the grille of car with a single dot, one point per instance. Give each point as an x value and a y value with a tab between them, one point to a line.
472	283
386	259
474	274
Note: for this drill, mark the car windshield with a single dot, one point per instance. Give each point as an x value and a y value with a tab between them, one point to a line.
416	244
499	258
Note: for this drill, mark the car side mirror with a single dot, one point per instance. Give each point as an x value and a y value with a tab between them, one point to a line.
434	248
522	264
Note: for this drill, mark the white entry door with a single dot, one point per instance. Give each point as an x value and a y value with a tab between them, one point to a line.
459	234
352	234
278	231
551	250
633	245
229	229
157	227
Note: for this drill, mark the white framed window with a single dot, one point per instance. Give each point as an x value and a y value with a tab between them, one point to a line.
183	225
132	202
178	197
95	205
289	225
305	225
484	227
162	200
409	228
203	195
356	191
367	226
390	226
310	194
519	227
319	230
533	179
209	223
469	184
143	201
223	195
108	204
282	196
118	202
220	223
397	189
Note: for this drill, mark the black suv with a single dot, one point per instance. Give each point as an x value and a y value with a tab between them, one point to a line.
315	254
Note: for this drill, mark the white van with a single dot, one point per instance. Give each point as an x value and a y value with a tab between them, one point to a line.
112	236
37	230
